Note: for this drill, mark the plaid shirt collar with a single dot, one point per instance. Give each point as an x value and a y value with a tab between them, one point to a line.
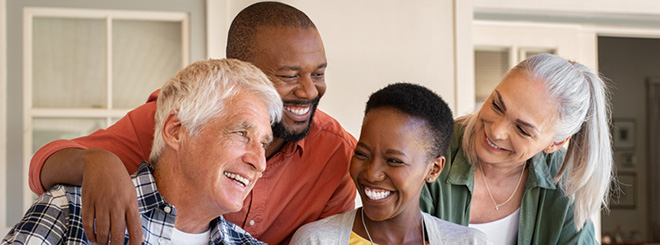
158	216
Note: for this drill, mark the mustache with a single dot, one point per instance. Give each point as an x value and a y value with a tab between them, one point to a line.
302	102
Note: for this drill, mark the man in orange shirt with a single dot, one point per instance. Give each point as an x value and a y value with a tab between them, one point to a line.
306	178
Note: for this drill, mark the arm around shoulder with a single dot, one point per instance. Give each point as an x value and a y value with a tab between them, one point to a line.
130	139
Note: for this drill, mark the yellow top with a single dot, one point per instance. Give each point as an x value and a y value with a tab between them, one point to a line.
358	240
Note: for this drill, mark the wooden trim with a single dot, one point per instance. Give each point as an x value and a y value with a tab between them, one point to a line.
77	113
27	104
104	13
3	118
216	28
463	58
185	41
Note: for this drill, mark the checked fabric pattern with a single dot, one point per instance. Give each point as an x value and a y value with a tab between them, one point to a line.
55	217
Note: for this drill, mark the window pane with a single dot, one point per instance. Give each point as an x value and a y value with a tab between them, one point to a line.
69	63
490	66
527	52
45	130
145	55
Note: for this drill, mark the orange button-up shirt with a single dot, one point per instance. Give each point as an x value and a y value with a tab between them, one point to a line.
306	181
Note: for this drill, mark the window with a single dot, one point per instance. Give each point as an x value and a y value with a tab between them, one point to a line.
500	45
84	69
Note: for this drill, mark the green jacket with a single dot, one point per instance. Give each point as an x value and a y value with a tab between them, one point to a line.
546	215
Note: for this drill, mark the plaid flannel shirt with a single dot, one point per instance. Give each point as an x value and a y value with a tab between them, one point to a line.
55	218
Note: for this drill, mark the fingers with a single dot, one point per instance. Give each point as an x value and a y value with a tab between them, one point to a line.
102	226
88	221
118	226
134	225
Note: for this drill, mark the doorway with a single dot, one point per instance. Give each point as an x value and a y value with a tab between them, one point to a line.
632	67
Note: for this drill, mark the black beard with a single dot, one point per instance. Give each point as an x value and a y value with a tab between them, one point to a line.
280	131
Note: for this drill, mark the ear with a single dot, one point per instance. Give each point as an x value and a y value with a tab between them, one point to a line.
436	168
172	131
556	145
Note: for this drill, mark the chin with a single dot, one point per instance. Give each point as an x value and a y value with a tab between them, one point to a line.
234	208
377	214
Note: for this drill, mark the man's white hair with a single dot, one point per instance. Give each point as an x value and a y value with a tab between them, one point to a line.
202	91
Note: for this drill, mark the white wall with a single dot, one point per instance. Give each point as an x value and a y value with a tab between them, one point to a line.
629	63
370	44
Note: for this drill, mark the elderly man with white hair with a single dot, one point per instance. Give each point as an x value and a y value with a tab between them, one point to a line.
212	126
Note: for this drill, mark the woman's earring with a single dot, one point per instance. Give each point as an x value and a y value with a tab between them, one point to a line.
428	179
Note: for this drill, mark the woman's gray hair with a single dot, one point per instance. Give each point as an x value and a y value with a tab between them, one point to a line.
201	92
584	115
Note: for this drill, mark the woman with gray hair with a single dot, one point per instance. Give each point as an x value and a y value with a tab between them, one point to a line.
507	171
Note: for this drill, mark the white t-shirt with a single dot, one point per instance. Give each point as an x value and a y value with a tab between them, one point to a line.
180	237
502	231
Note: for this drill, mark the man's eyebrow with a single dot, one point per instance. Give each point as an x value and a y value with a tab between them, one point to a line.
245	125
289	68
295	68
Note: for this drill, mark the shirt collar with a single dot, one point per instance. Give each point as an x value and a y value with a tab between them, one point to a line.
540	173
149	199
147	191
461	172
291	148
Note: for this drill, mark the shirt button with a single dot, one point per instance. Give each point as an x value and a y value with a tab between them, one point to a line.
167	209
161	240
251	222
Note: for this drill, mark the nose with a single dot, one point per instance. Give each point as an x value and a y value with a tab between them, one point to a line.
306	88
255	156
374	171
498	129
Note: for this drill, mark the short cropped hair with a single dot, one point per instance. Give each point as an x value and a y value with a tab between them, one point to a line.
241	40
419	102
203	90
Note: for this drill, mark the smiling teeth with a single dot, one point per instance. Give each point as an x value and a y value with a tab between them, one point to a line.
238	179
298	112
491	144
376	195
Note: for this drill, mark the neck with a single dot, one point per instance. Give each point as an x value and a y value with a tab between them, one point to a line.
274	147
402	229
191	216
500	171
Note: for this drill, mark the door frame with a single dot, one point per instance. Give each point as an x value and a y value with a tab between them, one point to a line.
4	228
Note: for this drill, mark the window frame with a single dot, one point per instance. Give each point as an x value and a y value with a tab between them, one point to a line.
109	113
